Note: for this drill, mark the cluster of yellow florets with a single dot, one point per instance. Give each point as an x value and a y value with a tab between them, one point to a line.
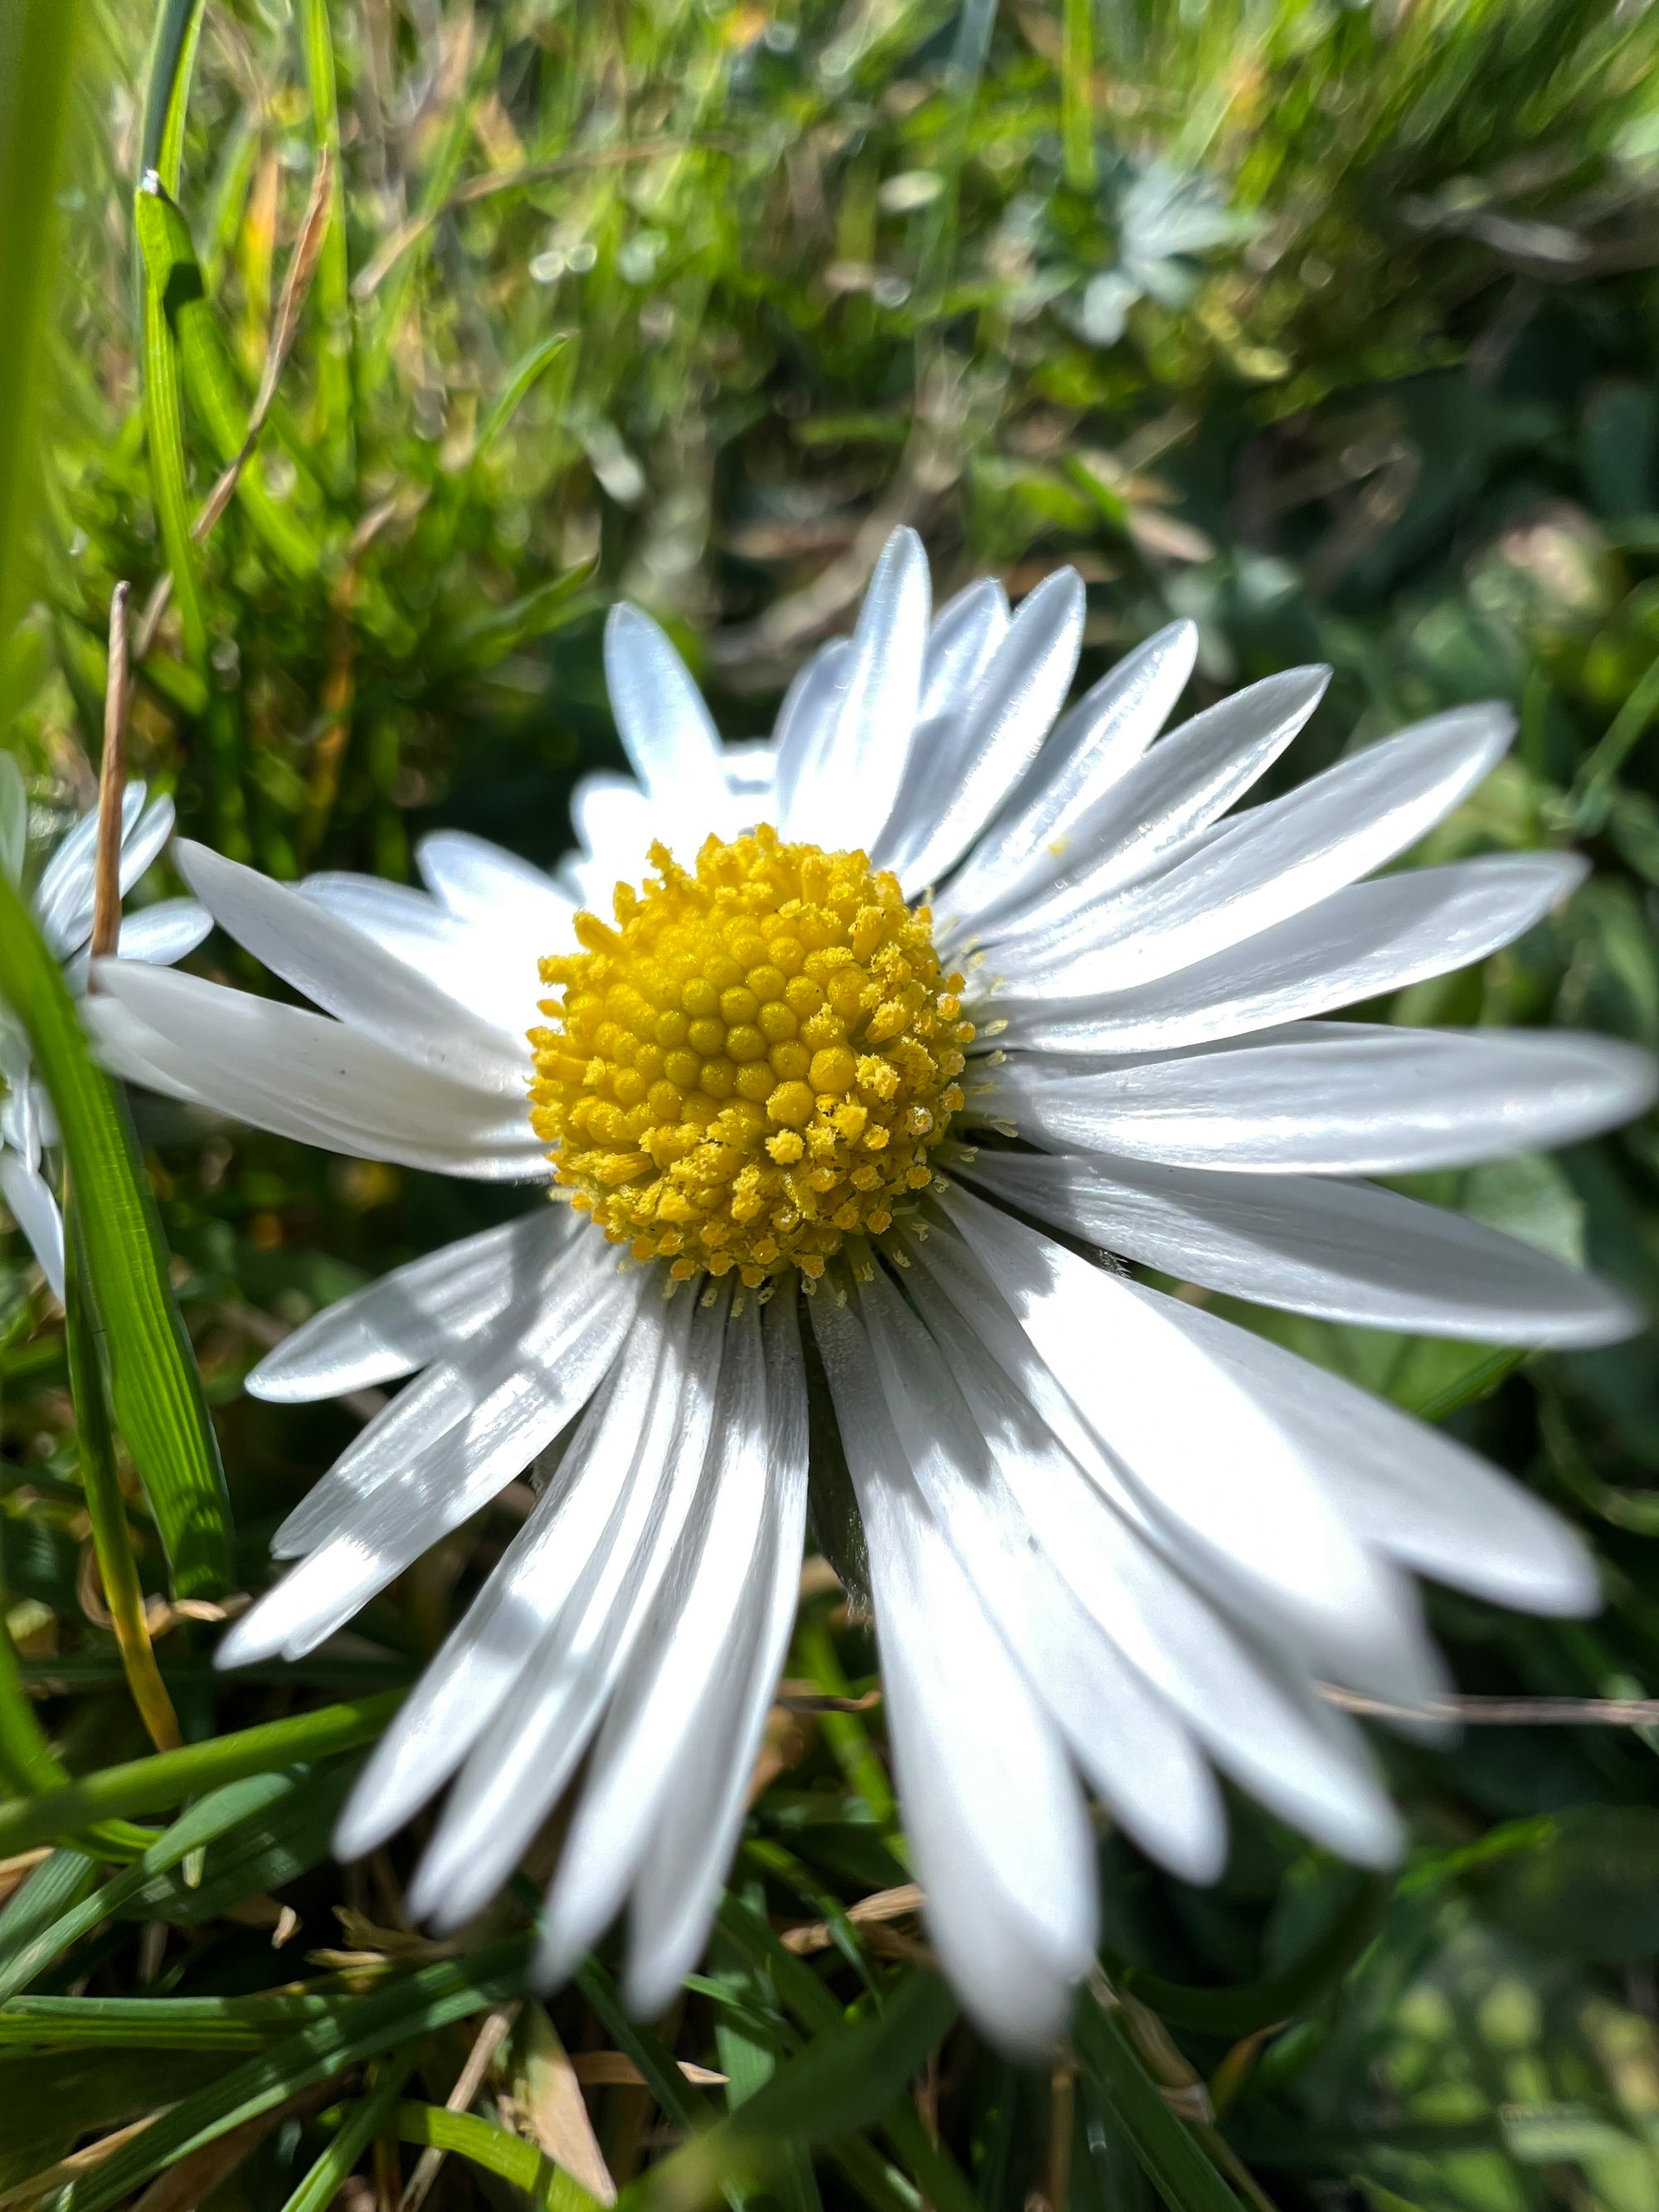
754	1063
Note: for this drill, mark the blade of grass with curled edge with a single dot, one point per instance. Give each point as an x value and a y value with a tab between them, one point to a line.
1172	2161
521	2163
155	1387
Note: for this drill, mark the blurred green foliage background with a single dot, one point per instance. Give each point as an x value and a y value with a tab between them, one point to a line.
1333	327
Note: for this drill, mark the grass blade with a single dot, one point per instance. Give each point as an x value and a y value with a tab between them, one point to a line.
155	1388
117	1570
29	1768
351	2138
334	376
150	1785
218	1814
1172	2161
357	2028
37	44
164	421
521	2163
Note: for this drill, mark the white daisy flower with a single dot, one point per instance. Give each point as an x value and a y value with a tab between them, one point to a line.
1115	1542
62	903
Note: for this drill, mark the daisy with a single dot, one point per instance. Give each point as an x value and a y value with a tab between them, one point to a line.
810	1037
62	903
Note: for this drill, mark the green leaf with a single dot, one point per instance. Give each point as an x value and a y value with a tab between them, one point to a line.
124	1592
44	2023
167	88
481	643
155	1387
29	1768
55	1885
846	2078
211	378
164	418
517	385
333	271
510	2156
1586	1887
51	2099
357	2028
218	1814
1173	2162
37	46
13	819
1251	2005
150	1785
289	1836
361	2123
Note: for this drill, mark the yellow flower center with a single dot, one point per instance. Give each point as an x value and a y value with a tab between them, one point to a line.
754	1063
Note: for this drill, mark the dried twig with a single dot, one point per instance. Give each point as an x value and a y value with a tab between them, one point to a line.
615	2069
883	1904
111	781
1506	1712
497	2025
297	286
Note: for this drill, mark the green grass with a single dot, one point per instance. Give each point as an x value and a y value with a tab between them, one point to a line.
1333	327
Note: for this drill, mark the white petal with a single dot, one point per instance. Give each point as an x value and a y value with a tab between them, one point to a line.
1344	1251
1369	940
34	1210
478	882
967	631
617	823
1410	1489
668	1775
994	1813
1209	1464
1253	1711
806	720
490	968
1171	794
525	1398
1052	812
1133	1750
164	932
65	896
301	1075
846	792
479	1381
969	763
518	1769
665	728
486	1653
1337	828
414	1314
705	1794
353	978
1371	1099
